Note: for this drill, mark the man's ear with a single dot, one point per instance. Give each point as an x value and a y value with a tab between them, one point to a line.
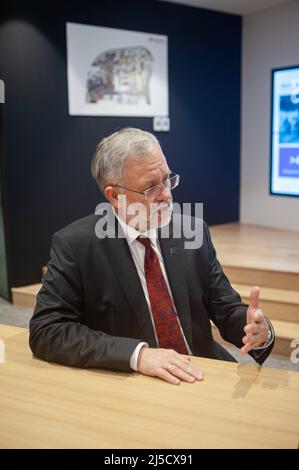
111	194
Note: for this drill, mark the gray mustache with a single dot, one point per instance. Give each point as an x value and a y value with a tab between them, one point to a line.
161	207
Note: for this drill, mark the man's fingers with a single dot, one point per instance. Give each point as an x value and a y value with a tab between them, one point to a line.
165	375
254	317
188	369
248	329
253	303
183	359
256	330
177	372
249	339
246	349
251	329
254	298
258	316
249	344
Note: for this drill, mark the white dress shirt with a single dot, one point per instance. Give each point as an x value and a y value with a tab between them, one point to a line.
138	253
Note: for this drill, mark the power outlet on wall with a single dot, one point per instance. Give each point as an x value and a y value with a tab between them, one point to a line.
161	123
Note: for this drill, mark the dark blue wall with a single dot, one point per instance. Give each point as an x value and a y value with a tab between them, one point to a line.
47	153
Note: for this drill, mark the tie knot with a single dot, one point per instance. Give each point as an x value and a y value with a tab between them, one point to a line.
145	242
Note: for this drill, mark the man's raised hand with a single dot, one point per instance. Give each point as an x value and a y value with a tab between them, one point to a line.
257	327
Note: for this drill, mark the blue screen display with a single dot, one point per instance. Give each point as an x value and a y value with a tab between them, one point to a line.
284	178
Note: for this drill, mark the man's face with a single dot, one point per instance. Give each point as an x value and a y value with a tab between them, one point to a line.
140	174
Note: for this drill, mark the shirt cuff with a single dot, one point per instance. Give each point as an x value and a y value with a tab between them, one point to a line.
135	355
270	338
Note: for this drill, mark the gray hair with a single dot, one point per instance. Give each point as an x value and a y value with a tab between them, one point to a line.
107	164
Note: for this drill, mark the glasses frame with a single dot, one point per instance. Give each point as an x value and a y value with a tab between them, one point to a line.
168	179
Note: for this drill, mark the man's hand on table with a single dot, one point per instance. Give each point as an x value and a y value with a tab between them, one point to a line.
168	365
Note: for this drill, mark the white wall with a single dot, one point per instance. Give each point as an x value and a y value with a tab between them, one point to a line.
270	39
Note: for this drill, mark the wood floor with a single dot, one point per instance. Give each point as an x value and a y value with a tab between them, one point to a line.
250	255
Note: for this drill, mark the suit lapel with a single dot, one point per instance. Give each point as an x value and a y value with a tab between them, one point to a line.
173	254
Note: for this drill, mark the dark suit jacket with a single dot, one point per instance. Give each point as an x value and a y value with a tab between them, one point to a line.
91	310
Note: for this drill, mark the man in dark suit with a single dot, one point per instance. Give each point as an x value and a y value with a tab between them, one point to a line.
118	294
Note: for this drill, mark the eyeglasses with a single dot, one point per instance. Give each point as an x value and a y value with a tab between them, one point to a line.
170	182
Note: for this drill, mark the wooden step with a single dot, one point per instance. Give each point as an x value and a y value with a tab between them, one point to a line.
285	333
25	296
255	255
277	304
282	280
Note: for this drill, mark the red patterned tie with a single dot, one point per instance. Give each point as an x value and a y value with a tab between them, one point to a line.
165	317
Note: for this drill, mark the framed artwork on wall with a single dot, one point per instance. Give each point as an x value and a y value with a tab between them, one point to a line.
114	72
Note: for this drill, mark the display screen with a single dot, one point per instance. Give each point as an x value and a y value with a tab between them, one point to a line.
284	178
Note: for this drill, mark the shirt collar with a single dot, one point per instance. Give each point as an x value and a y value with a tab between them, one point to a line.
131	234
